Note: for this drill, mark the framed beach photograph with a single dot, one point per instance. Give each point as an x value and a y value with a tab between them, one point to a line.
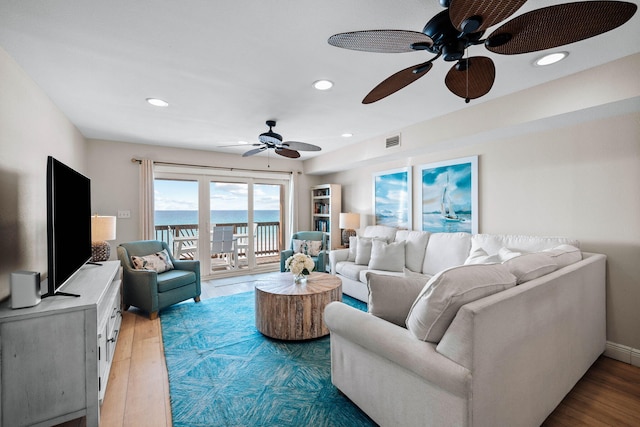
450	196
392	198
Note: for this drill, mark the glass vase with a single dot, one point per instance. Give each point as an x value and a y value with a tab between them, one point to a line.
300	279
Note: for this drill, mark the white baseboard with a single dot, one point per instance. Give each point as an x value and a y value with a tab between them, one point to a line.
622	353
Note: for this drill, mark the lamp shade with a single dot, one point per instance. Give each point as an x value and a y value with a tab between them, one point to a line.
103	228
349	221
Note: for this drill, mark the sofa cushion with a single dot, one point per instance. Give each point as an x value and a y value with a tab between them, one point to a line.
479	256
492	243
415	247
158	262
387	256
436	306
445	250
350	270
530	266
564	255
391	298
381	231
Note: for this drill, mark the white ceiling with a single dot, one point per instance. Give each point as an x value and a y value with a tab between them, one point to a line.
226	67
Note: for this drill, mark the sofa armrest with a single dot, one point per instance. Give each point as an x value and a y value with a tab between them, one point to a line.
190	265
396	344
337	255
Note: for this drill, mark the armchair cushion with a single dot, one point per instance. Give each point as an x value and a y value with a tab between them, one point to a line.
175	279
159	262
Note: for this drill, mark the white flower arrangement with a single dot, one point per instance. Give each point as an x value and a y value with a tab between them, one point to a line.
299	264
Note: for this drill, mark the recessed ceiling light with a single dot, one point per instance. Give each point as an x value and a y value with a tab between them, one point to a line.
551	58
323	84
157	102
347	135
242	142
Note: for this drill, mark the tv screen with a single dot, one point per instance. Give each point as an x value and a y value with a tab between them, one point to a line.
68	223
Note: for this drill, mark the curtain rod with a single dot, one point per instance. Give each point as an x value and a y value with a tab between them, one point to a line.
134	160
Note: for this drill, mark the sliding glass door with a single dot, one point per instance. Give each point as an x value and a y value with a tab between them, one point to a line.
197	214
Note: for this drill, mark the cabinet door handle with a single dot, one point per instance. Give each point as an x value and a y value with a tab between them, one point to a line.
115	336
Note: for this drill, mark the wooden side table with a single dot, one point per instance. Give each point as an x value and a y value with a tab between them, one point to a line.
289	311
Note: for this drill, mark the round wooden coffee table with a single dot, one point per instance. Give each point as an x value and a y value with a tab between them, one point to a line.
289	311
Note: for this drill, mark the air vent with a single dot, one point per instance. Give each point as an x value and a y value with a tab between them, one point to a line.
393	141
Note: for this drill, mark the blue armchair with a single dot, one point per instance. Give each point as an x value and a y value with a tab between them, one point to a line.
152	291
322	257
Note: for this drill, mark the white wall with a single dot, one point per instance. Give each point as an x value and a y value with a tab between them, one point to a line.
31	128
580	181
561	158
115	178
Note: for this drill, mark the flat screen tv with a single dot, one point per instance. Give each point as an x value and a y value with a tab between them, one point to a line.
68	224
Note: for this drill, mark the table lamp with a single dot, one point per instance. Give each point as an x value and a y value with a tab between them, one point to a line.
103	228
348	223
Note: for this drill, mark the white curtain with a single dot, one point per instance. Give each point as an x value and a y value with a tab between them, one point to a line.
293	209
147	229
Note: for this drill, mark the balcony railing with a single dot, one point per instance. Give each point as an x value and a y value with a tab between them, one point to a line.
267	239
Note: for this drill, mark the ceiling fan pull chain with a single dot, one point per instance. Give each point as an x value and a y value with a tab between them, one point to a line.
466	99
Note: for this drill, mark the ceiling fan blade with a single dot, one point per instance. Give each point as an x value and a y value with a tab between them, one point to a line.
396	82
472	77
481	14
381	41
292	154
558	25
300	146
254	151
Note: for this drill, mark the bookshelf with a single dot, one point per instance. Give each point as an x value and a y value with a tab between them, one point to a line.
326	203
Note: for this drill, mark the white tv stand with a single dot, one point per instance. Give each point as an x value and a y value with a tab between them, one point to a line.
55	357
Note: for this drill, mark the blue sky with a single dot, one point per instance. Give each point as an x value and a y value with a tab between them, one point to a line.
183	195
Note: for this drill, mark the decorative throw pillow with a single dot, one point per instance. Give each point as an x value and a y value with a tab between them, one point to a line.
564	255
506	254
363	250
387	256
314	247
480	256
391	297
436	306
530	266
309	247
353	247
159	262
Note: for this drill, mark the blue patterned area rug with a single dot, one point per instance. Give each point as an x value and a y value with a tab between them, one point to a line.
224	372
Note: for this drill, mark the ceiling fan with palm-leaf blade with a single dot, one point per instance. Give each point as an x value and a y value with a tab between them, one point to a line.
463	23
272	140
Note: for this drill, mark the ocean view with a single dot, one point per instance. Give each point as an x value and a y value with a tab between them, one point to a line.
167	217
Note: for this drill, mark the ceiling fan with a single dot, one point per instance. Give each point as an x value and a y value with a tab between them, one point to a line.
451	32
273	140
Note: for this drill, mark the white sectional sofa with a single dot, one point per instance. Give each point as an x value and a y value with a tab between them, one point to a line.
497	342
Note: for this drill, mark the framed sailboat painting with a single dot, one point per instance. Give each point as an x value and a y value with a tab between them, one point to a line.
450	196
392	198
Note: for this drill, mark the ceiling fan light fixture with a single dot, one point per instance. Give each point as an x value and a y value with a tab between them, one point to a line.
156	102
323	84
550	58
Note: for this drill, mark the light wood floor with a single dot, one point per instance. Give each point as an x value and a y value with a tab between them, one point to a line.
138	390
